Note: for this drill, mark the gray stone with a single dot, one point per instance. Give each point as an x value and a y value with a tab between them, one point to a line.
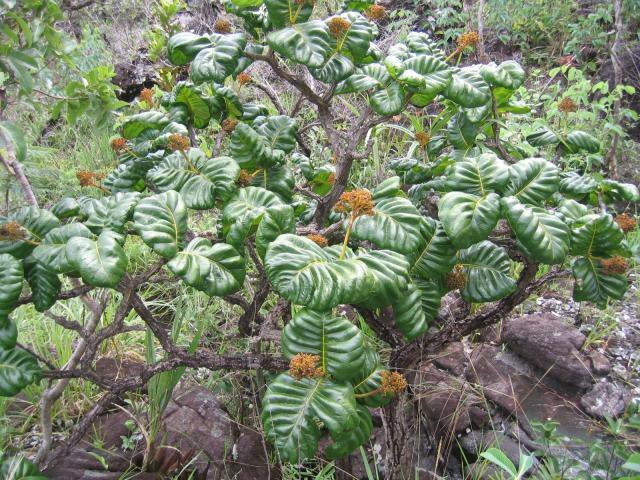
599	363
606	399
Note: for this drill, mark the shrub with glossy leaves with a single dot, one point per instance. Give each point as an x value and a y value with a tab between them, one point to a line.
391	253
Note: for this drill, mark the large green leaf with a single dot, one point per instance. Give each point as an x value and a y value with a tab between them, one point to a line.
288	12
246	146
570	210
409	316
390	272
66	207
306	274
369	381
436	255
395	225
278	179
388	100
100	262
592	285
578	140
217	62
51	253
161	221
279	131
430	296
198	108
468	218
366	78
292	408
183	47
613	191
595	235
336	68
487	267
275	221
542	138
11	275
138	123
201	181
357	38
575	185
461	132
216	269
468	89
245	211
509	74
533	180
306	43
425	74
544	236
18	368
111	213
337	342
45	285
354	437
478	175
34	223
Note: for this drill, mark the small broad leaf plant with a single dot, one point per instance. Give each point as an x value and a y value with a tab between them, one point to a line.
316	240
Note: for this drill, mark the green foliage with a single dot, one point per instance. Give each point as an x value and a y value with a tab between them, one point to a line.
394	257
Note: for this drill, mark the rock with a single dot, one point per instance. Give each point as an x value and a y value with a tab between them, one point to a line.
477	442
599	363
605	399
453	306
452	358
551	345
450	404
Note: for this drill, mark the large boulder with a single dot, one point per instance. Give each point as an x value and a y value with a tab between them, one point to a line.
551	345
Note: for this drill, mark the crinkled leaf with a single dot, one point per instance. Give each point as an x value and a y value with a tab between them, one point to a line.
390	273
138	123
542	137
388	100
34	223
45	285
337	342
279	131
161	221
101	262
436	255
276	221
578	140
336	68
112	213
51	253
306	274
18	368
306	43
288	12
409	316
478	175
216	269
508	74
354	437
468	218
11	275
217	62
576	185
65	208
184	46
592	285
544	236
290	408
533	180
595	235
487	267
366	78
468	89
426	74
395	225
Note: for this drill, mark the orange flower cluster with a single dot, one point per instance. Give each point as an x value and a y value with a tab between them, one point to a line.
222	25
147	96
87	178
356	202
229	125
422	139
468	39
321	240
615	265
456	279
338	26
245	178
626	222
12	231
392	382
243	78
178	143
119	144
305	365
375	12
567	105
331	179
